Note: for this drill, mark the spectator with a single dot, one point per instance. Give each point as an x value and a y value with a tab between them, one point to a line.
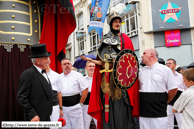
171	63
185	102
73	84
180	70
57	98
157	88
35	93
88	78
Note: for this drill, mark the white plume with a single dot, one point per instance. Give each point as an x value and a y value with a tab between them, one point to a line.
118	8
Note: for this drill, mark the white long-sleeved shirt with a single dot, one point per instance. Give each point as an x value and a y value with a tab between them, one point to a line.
53	76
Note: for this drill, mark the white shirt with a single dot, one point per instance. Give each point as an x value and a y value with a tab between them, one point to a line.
53	76
158	78
89	82
179	80
40	70
72	83
185	104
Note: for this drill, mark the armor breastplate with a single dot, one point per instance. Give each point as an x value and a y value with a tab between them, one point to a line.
19	22
109	47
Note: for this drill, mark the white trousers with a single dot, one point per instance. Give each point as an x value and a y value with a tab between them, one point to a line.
73	116
153	123
55	114
87	118
171	115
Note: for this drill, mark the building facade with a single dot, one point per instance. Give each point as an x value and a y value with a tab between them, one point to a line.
167	26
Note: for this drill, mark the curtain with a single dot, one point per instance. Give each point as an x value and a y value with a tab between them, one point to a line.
12	64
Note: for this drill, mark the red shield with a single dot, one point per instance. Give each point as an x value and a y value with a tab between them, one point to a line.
125	69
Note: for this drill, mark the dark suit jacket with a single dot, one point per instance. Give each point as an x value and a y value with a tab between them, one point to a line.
35	95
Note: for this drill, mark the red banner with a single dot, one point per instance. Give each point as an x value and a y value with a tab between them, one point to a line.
59	22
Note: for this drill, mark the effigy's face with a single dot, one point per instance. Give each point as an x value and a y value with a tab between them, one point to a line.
116	24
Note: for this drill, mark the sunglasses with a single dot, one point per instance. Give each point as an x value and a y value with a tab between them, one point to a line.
168	63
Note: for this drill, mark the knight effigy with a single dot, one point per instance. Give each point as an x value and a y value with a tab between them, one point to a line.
114	96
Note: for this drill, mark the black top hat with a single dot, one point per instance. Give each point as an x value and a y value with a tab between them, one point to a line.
39	50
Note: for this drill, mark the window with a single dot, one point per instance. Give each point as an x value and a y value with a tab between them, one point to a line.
115	2
81	45
80	22
94	40
70	54
129	24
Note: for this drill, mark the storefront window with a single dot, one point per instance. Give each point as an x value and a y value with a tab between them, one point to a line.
129	21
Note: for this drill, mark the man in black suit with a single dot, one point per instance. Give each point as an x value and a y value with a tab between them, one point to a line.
35	92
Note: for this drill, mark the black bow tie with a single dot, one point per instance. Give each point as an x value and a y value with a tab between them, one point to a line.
43	71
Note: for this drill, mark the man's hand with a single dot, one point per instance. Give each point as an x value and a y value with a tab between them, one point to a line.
61	113
36	118
174	111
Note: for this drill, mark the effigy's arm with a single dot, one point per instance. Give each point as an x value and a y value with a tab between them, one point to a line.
98	62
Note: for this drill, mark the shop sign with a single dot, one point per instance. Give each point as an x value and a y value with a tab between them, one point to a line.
172	38
170	12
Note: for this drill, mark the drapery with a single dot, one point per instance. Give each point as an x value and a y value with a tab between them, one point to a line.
12	64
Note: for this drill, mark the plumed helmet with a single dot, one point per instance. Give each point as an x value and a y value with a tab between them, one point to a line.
115	12
114	15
